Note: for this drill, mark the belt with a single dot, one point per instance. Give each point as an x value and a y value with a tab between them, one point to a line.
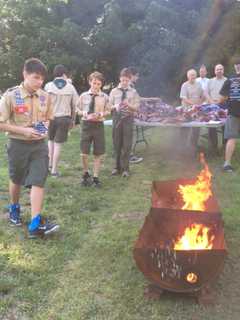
27	141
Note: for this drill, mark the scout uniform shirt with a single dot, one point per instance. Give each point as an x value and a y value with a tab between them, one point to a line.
101	104
64	97
132	97
20	108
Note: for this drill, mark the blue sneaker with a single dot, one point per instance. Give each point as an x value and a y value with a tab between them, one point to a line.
14	215
45	228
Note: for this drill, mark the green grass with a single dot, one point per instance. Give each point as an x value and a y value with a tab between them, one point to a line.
87	271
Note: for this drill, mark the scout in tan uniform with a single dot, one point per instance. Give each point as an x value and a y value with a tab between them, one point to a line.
25	110
93	107
124	101
64	98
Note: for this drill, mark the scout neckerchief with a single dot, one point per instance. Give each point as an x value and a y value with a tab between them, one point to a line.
92	103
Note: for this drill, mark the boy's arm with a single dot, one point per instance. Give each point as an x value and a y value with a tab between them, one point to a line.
224	92
74	103
26	132
134	103
79	108
5	114
107	109
49	114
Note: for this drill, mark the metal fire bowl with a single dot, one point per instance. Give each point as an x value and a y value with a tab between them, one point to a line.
162	265
169	269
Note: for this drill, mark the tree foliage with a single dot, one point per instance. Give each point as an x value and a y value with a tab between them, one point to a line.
154	35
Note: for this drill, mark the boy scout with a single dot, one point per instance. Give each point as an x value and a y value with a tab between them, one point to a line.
124	101
93	107
24	110
64	98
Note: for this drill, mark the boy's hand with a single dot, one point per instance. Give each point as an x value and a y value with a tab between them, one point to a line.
32	134
93	117
71	124
85	114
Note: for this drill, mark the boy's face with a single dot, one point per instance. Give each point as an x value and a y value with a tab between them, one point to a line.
33	81
95	85
124	81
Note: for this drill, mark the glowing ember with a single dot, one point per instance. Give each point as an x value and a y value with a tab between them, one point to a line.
195	237
192	277
195	195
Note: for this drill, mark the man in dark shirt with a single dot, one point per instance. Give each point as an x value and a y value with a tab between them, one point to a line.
230	92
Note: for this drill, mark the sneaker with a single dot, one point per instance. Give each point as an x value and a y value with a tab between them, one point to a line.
86	180
115	172
14	215
125	174
55	175
44	229
228	168
135	159
96	182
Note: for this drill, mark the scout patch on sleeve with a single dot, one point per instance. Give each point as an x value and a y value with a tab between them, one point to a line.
42	100
20	107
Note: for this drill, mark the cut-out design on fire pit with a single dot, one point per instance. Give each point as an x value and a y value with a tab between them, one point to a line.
178	249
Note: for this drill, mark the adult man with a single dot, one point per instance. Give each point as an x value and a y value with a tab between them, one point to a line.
191	94
215	85
213	97
24	109
202	79
230	92
64	98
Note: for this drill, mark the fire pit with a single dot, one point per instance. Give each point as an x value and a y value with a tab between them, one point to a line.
181	246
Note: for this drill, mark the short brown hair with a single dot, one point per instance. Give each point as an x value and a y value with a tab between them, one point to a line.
96	75
34	65
59	70
125	72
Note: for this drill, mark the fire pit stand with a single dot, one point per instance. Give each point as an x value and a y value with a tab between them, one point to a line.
191	272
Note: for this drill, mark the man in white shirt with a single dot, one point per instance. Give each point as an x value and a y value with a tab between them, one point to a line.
213	97
202	79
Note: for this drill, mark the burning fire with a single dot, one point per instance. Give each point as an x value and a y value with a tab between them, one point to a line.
196	237
196	195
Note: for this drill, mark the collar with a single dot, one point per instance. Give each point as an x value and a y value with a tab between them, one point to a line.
223	77
120	87
25	93
100	93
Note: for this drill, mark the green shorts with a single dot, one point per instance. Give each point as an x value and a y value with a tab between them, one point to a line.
232	128
58	129
28	162
92	133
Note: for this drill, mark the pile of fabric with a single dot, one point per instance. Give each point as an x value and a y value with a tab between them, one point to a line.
154	110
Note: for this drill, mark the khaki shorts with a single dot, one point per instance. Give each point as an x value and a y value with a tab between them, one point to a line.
92	134
232	128
58	129
28	162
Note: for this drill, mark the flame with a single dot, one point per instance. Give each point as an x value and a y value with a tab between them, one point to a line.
195	195
196	237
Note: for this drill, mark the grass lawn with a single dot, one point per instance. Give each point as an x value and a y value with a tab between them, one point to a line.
87	271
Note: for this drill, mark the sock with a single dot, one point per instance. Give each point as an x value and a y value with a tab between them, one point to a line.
227	163
34	223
